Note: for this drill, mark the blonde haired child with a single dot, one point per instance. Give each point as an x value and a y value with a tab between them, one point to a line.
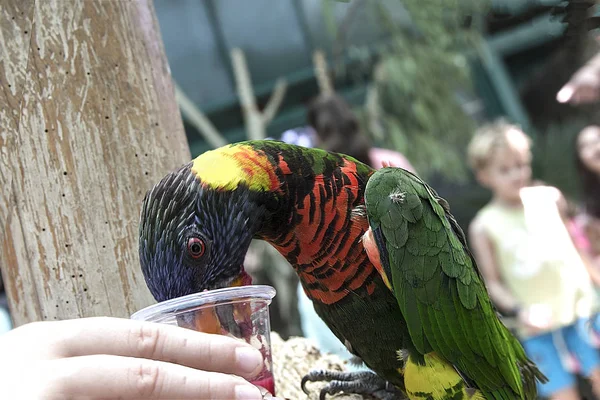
531	267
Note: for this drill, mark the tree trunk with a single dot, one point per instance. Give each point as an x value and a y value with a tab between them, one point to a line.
88	123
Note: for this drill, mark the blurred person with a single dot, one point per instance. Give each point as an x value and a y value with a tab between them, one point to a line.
102	357
587	159
585	225
337	129
531	267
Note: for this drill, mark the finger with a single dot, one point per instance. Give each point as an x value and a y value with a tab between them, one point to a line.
583	95
589	95
565	94
129	338
266	394
102	376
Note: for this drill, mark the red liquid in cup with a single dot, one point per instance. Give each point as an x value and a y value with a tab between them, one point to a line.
266	380
207	320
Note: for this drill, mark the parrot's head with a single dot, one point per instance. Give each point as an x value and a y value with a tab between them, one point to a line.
193	236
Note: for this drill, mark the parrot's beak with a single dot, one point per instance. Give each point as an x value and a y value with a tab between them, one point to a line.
229	319
242	279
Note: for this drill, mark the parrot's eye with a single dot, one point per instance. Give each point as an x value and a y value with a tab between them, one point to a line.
196	247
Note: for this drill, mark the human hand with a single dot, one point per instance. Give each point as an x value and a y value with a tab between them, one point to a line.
583	87
102	357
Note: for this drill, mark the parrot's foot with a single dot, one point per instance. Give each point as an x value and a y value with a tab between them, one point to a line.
362	382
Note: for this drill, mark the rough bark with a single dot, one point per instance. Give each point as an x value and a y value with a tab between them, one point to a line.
88	122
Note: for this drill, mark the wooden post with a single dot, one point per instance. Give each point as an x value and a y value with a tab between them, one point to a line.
88	122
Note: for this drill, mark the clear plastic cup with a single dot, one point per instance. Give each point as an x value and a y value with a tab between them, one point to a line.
241	312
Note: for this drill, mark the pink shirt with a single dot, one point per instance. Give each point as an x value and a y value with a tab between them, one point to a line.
576	227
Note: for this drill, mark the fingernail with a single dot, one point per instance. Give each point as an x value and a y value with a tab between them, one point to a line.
564	94
248	359
247	392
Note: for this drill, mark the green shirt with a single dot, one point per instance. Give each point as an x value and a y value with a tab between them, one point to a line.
536	257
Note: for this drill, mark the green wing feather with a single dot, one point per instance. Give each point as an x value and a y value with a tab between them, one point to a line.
439	288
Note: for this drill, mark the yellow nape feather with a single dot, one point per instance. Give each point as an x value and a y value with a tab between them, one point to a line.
436	380
228	166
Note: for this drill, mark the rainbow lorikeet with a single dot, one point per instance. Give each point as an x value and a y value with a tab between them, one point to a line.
379	254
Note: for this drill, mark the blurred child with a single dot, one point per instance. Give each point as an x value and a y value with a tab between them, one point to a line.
531	267
585	227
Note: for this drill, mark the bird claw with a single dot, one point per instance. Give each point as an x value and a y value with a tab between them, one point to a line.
362	382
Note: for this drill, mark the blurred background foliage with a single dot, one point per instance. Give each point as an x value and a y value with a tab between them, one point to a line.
421	74
418	84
